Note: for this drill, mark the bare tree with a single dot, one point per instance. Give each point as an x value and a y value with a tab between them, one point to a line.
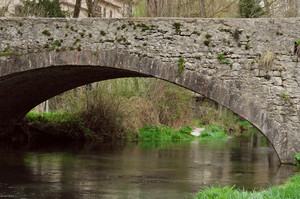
202	8
77	9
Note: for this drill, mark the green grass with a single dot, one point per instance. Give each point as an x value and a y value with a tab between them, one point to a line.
60	125
165	133
213	132
180	66
297	157
289	190
150	132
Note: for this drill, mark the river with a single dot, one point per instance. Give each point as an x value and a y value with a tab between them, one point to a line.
138	170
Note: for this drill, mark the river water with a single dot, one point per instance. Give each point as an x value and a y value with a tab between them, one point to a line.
139	170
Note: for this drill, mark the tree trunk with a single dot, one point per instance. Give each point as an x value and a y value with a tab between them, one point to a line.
94	8
89	5
267	7
202	8
77	9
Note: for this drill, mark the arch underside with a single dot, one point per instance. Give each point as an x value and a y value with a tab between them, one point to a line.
28	80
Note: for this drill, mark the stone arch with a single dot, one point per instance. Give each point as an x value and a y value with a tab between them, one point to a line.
28	80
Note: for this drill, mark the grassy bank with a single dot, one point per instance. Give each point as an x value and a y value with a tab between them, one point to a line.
151	133
290	189
75	127
58	126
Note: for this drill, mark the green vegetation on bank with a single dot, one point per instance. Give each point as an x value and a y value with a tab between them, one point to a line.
59	126
150	133
73	127
290	189
297	157
213	132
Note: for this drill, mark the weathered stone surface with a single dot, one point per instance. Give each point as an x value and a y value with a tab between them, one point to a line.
41	58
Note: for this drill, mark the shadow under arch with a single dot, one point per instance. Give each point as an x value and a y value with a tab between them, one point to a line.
28	80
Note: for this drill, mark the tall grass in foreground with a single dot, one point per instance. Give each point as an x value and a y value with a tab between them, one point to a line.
289	190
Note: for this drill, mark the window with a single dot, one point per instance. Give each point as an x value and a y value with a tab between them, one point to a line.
110	13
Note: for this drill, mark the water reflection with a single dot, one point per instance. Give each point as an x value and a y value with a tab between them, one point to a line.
139	170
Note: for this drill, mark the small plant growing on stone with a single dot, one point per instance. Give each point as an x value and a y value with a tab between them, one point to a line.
81	34
177	27
20	32
46	32
279	33
76	41
267	59
123	26
208	36
222	60
196	33
221	56
180	66
247	46
267	76
285	97
206	42
103	33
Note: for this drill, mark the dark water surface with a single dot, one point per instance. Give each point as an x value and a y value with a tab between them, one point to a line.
151	170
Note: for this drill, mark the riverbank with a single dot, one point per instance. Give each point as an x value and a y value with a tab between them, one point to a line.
290	189
71	128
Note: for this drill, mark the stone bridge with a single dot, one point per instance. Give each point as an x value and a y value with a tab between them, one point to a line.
247	65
